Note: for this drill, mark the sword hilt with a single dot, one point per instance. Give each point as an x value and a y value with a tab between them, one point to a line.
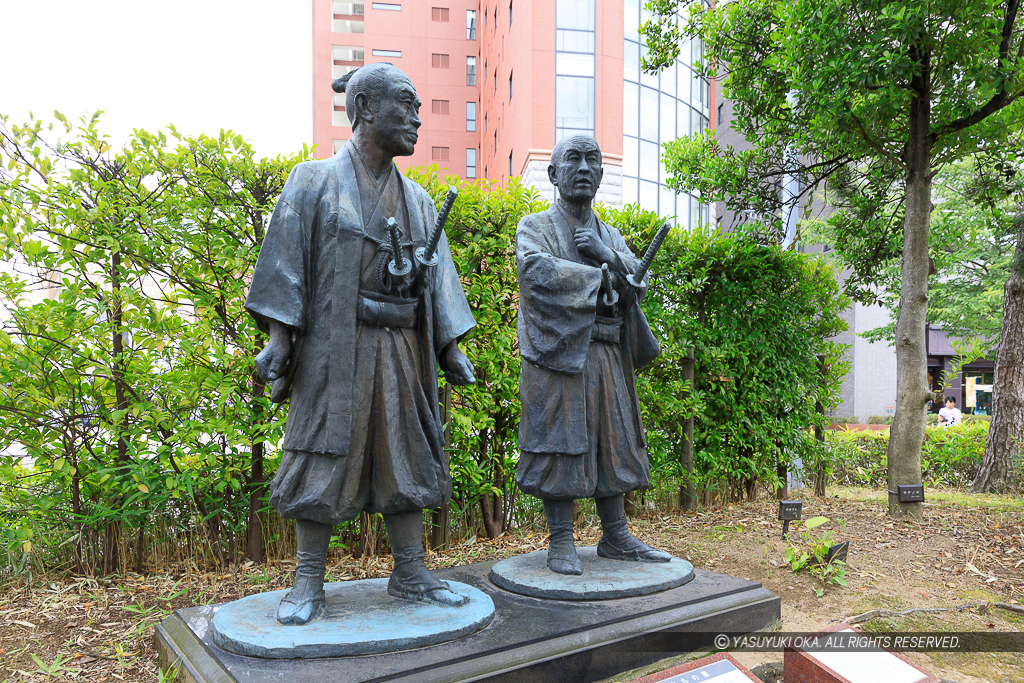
637	278
399	267
428	255
611	297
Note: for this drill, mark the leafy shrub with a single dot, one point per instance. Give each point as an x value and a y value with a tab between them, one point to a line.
950	456
762	323
880	420
838	420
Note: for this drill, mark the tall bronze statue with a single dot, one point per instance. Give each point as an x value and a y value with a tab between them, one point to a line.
357	326
581	336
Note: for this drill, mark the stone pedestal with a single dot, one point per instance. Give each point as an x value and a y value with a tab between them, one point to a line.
602	579
359	618
529	639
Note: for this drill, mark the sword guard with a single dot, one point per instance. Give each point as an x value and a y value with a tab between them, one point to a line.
421	254
634	283
611	298
402	272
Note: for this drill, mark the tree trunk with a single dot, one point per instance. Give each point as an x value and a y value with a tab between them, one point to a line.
998	469
112	533
821	472
254	525
254	530
782	472
906	435
686	498
440	531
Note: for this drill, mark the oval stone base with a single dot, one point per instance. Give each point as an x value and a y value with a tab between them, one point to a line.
359	618
602	579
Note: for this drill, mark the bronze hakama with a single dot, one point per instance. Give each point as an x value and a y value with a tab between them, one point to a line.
580	432
364	428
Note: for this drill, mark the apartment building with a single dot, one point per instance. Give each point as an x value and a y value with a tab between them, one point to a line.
502	80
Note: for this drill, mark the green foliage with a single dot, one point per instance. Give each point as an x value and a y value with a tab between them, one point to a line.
485	423
824	88
950	456
761	322
812	555
127	373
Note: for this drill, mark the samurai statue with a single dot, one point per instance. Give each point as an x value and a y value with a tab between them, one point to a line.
357	328
581	336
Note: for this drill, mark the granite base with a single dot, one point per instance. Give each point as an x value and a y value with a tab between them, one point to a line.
529	639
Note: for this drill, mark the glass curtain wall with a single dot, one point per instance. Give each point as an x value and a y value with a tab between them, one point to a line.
656	109
574	67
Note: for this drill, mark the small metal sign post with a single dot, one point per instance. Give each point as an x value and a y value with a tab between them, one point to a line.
910	493
789	510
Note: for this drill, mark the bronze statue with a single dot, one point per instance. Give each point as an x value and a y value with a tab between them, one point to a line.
581	336
357	328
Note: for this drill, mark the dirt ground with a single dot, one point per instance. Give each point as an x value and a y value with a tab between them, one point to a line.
969	549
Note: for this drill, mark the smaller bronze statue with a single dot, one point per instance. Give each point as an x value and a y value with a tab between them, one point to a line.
581	336
356	287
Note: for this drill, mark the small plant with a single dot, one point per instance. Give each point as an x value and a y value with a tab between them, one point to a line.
813	555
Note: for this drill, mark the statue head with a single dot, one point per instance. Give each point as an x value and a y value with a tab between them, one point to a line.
575	168
383	107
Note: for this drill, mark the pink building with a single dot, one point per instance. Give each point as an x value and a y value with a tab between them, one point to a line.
502	80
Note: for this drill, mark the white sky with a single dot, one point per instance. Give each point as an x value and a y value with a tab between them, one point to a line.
202	65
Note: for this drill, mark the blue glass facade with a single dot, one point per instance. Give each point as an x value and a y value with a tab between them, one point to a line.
656	109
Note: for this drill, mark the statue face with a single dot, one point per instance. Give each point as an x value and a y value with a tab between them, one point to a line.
397	118
578	174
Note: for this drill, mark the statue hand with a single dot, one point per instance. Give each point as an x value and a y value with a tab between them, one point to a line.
590	244
273	359
458	370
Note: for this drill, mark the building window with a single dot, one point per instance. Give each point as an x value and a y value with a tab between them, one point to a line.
345	58
338	115
439	14
510	13
387	5
471	24
495	142
347	26
510	171
495	80
336	145
471	163
438	106
485	123
471	116
720	113
658	108
439	154
439	61
575	41
470	70
510	87
349	9
386	53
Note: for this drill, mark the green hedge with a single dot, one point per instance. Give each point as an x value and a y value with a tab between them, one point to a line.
950	456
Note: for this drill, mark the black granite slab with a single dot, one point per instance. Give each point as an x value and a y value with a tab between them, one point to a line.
532	640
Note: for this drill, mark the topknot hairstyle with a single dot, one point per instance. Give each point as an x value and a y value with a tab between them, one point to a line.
370	80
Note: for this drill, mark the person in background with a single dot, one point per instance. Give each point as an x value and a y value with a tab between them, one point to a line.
950	415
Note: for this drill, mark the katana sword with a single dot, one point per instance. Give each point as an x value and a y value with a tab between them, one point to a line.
611	297
637	278
427	255
399	268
